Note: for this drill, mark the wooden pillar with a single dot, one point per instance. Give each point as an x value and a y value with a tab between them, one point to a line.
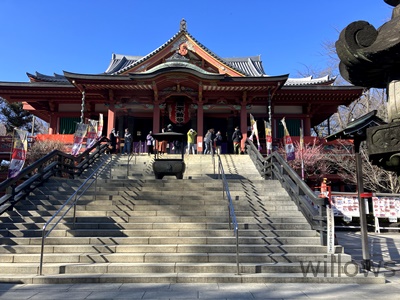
53	123
111	118
200	126
307	126
243	125
156	117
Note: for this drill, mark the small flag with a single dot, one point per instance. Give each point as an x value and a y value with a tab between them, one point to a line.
254	130
268	136
289	148
91	135
80	133
18	157
100	126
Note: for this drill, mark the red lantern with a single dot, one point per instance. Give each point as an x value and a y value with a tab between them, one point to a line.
179	112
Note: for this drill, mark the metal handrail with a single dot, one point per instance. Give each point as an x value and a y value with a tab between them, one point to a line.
274	166
74	198
136	151
231	209
56	163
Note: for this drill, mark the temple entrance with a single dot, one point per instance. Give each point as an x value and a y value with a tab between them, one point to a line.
224	124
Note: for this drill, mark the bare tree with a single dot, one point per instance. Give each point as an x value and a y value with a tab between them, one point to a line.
310	160
372	99
374	178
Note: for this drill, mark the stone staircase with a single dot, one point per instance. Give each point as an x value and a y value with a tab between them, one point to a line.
136	229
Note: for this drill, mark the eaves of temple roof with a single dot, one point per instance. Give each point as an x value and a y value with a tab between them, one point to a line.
38	77
325	80
145	80
244	62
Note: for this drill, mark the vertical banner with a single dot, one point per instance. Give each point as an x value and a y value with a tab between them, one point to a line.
289	148
18	156
301	152
91	133
78	138
254	130
100	126
268	137
330	230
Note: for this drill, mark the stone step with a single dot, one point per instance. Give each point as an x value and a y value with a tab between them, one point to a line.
239	203
191	208
311	268
119	220
117	232
170	278
147	225
204	258
168	217
167	248
160	240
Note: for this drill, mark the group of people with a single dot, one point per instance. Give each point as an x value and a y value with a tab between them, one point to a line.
126	150
212	141
162	145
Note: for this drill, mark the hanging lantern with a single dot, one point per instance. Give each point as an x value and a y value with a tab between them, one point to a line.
179	112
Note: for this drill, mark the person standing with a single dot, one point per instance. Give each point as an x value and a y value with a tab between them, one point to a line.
162	145
127	142
208	140
191	140
236	139
113	141
218	142
149	143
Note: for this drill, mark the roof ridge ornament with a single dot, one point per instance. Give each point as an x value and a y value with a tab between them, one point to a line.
182	26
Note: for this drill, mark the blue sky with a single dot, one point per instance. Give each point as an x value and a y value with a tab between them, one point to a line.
52	36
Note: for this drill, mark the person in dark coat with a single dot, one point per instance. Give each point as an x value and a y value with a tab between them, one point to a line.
208	141
113	141
218	142
236	139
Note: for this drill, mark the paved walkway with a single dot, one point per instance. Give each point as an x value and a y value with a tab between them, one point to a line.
384	249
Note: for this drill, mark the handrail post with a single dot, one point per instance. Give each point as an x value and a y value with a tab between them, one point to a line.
95	185
74	217
322	223
41	251
237	251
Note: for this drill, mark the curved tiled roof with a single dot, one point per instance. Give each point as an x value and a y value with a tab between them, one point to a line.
326	80
38	77
251	66
119	62
126	66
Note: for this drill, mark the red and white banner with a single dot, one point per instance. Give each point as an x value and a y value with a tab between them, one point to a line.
80	133
289	148
100	126
91	135
254	130
18	157
268	137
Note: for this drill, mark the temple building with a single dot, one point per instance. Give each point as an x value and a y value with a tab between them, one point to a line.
185	84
